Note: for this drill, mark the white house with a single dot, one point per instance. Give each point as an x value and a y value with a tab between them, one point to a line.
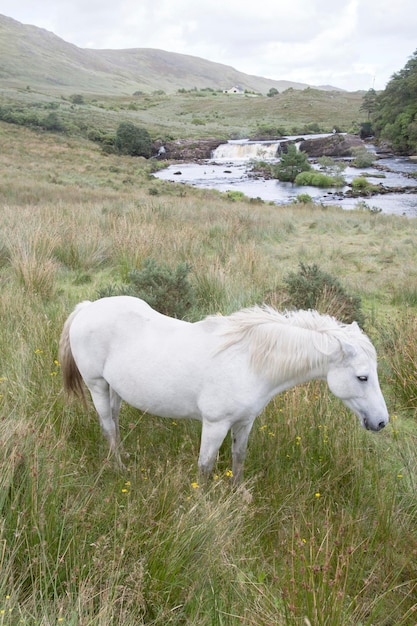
237	90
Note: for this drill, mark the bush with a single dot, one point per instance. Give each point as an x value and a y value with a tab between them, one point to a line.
362	157
364	206
164	288
303	198
312	288
318	179
235	195
362	185
52	122
266	130
333	167
132	140
77	98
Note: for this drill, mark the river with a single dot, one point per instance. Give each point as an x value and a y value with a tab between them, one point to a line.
229	170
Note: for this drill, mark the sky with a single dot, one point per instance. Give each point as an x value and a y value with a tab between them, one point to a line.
350	44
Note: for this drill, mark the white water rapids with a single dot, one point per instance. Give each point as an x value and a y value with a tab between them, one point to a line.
229	170
238	151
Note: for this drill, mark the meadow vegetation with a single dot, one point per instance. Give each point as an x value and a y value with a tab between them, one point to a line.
329	536
198	113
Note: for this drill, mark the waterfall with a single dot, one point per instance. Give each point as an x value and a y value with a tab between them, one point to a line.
239	151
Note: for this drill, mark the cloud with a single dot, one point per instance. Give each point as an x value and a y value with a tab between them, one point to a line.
353	44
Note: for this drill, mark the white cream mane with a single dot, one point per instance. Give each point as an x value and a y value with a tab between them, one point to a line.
292	341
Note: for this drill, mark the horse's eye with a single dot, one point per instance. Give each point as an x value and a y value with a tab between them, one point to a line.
363	379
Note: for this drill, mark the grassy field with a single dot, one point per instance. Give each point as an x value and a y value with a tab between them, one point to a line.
329	536
196	113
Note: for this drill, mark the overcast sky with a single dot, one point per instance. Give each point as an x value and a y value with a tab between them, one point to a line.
351	44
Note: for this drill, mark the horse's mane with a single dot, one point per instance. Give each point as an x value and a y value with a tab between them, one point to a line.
294	341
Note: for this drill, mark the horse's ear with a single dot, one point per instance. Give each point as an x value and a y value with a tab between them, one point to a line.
348	349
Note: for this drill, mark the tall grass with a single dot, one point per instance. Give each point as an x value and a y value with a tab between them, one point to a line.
329	535
31	259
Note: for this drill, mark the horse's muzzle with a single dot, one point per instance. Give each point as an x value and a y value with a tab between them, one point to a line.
376	428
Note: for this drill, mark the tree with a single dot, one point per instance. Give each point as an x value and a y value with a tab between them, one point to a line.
395	116
132	140
272	92
369	102
292	163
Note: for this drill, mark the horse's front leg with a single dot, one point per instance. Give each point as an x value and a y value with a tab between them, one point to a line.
240	436
212	437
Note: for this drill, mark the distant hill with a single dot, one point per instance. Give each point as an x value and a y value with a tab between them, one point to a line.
36	58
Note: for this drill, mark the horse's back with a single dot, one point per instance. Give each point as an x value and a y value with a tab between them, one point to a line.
106	308
115	323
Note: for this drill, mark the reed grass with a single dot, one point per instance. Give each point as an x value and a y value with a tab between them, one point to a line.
329	536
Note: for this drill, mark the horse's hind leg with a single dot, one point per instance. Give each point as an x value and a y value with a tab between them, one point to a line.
107	405
115	404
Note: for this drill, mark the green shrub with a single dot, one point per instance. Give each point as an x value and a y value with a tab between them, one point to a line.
164	288
312	288
235	195
267	130
303	198
333	168
361	184
52	122
77	98
313	127
364	206
317	179
132	140
362	157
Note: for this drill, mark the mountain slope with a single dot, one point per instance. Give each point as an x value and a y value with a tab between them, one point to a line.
36	58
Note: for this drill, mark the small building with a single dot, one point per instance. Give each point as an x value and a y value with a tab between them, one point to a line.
235	90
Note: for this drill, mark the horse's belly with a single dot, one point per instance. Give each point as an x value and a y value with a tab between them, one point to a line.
172	395
164	402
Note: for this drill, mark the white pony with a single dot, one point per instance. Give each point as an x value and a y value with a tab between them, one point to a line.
221	370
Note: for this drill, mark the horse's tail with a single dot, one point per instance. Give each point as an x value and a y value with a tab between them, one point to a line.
72	379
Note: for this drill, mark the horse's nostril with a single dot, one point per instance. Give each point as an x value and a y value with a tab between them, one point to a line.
381	425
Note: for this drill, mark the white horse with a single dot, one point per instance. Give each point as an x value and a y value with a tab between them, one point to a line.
220	370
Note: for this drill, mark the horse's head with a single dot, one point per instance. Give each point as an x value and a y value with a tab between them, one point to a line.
353	378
